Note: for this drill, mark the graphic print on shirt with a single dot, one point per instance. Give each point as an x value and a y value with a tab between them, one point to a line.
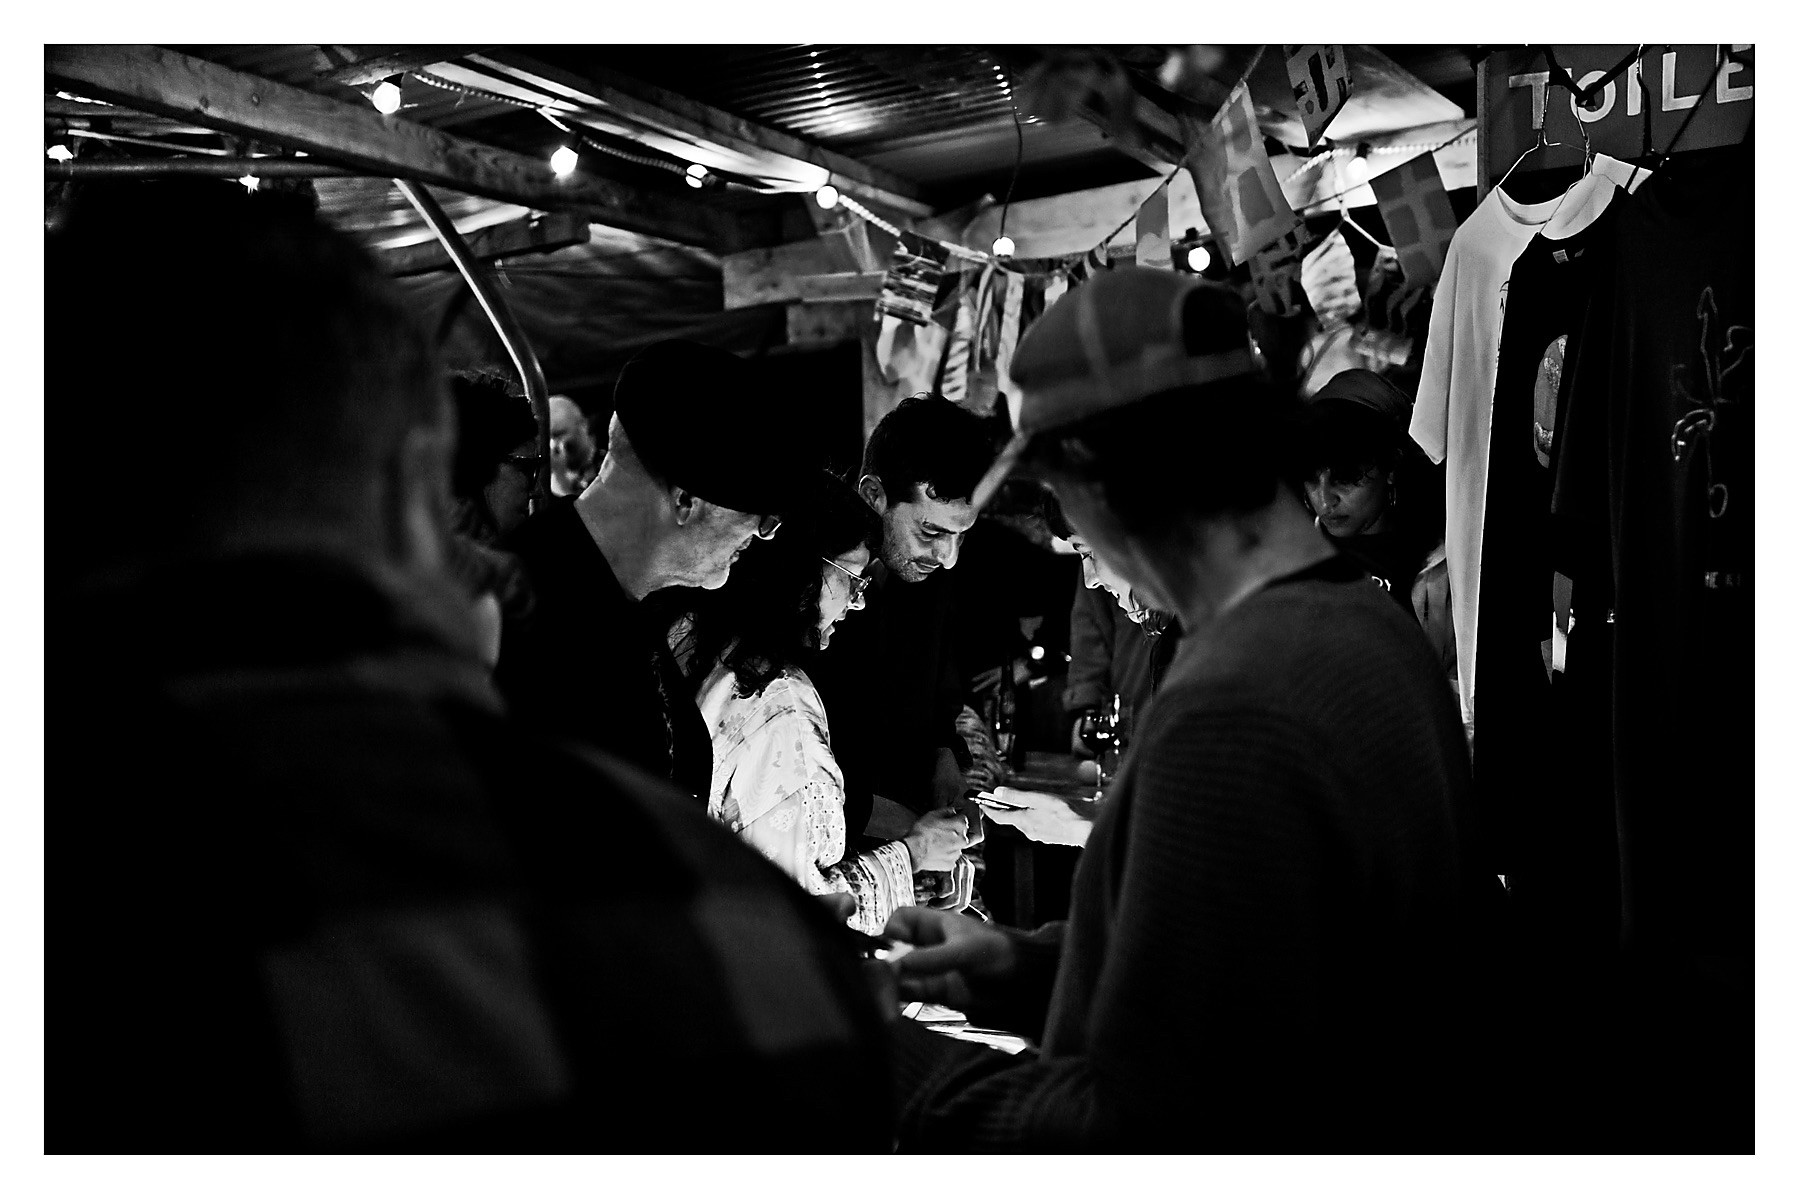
1722	360
1543	399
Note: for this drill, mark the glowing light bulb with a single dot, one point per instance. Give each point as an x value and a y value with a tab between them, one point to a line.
696	171
1199	258
1037	654
827	196
386	97
250	182
1356	171
564	160
1003	247
59	153
693	181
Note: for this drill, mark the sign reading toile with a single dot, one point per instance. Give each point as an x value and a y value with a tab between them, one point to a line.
1239	194
1658	92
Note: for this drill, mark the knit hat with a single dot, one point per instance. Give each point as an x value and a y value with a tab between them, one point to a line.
706	420
1364	387
1128	334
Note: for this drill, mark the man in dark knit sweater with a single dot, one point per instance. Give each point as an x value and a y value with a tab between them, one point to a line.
1274	924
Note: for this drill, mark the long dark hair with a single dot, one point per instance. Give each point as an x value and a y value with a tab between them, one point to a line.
766	617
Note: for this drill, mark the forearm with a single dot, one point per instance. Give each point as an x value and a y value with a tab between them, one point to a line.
955	1096
879	879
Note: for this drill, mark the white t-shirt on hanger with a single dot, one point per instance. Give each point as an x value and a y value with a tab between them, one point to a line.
1453	414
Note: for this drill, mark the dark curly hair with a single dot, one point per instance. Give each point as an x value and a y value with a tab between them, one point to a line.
766	617
930	441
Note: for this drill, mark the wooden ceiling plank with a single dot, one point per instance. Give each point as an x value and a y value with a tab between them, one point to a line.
395	62
531	235
690	119
171	84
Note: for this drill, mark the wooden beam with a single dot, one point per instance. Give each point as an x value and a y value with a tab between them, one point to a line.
171	84
768	275
829	324
398	61
679	125
532	235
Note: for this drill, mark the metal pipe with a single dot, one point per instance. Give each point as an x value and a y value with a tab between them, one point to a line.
213	151
493	302
219	168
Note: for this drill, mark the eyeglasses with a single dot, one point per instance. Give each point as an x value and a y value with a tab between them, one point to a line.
767	526
858	583
528	463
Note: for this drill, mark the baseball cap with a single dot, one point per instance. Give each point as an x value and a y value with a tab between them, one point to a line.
1128	334
708	421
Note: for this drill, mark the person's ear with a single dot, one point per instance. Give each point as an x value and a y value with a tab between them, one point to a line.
873	494
685	504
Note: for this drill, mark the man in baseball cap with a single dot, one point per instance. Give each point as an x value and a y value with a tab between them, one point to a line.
1282	896
700	463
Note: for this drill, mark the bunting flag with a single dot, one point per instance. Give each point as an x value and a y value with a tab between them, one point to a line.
1059	283
1321	79
908	355
1328	277
1153	230
1094	260
1418	215
1275	272
1012	311
1239	194
909	290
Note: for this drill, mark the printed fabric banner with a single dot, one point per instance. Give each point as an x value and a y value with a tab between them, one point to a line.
1321	79
1239	194
1328	276
1275	272
1418	215
909	290
1153	231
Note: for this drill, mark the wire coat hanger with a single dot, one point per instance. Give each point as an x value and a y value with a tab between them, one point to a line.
1541	143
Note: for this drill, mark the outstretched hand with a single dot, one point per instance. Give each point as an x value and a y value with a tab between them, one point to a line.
954	959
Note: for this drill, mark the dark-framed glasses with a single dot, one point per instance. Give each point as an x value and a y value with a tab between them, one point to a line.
858	583
528	463
766	527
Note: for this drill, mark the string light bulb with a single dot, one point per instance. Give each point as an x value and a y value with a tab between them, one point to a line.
1356	171
1003	247
1198	259
827	196
696	171
59	153
250	182
386	97
694	181
563	161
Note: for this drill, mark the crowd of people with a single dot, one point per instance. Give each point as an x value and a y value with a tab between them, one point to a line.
429	817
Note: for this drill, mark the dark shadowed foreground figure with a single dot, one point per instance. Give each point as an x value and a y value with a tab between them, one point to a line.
1274	926
301	890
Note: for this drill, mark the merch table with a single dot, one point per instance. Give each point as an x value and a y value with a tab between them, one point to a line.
1032	854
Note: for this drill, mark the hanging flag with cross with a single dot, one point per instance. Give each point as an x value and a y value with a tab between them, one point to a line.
1239	194
1418	215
